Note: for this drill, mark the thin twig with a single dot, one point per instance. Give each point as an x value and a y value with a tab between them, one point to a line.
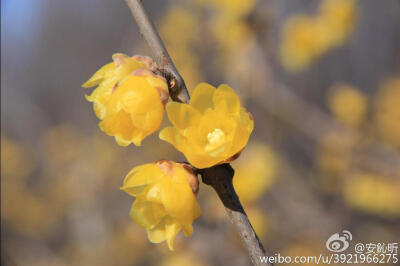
220	176
177	87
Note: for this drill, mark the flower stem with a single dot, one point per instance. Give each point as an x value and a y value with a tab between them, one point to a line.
220	176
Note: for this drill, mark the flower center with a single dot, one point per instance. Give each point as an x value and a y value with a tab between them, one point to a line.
215	139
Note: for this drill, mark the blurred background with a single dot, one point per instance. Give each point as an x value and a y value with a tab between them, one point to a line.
321	78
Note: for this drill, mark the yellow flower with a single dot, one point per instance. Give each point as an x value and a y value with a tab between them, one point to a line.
210	130
305	38
339	17
107	77
348	105
129	98
14	155
255	172
301	42
387	112
232	34
136	107
231	8
373	194
165	199
334	152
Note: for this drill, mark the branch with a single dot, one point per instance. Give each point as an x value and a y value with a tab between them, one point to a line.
177	87
220	176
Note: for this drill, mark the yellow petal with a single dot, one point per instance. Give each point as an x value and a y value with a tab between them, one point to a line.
157	234
120	59
122	142
179	201
187	229
226	100
99	75
147	214
182	115
155	191
157	82
169	134
202	97
89	98
171	230
136	95
173	136
139	177
149	121
243	132
120	125
100	97
204	160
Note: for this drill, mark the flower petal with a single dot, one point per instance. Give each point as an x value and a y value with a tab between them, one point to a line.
187	229
171	230
147	214
120	125
226	100
182	115
179	201
139	177
202	97
99	75
157	234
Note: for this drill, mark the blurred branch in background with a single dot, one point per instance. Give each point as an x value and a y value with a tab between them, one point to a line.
308	119
282	102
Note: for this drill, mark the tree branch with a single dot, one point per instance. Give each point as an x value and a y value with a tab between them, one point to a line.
220	176
176	85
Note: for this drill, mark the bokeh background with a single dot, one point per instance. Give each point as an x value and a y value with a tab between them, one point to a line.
321	78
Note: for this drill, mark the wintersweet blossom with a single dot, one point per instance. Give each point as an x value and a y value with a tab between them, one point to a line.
107	77
348	104
372	193
305	38
300	43
212	129
255	172
338	17
387	112
136	108
231	8
129	99
165	201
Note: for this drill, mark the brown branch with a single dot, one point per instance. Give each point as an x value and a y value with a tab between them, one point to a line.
220	176
177	87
